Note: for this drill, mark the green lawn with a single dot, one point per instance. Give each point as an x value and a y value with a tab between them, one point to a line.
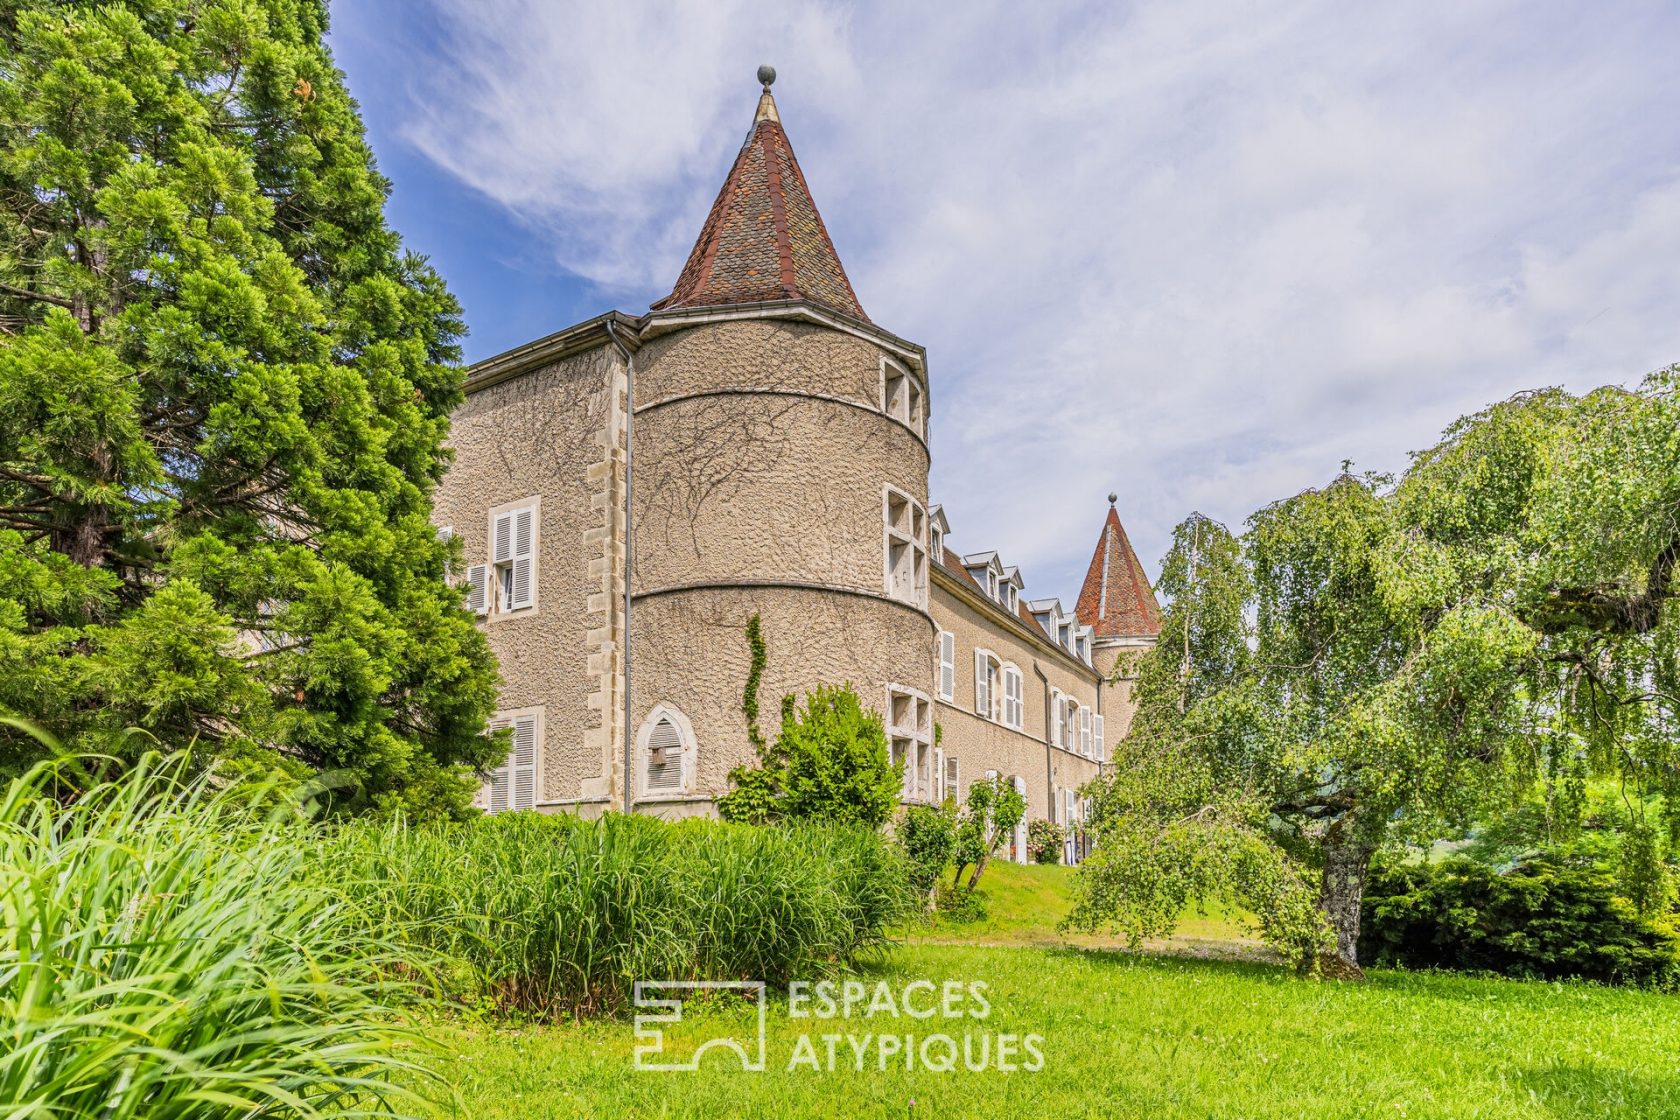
1125	1036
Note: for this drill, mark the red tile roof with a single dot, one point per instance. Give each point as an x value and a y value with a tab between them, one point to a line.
1116	601
764	239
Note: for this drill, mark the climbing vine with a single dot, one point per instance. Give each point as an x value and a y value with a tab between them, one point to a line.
755	674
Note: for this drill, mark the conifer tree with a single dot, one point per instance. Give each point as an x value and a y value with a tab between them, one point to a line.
224	390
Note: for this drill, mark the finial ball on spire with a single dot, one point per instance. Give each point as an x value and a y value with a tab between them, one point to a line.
767	76
1112	498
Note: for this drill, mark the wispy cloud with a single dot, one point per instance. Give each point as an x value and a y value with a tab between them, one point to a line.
1193	252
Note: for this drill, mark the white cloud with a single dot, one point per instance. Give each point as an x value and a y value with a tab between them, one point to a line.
1195	253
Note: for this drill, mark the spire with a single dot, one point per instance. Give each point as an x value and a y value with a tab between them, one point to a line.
1116	600
764	239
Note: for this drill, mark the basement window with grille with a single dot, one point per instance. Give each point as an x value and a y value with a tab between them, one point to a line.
513	784
667	754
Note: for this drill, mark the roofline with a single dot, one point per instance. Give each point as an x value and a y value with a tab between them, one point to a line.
575	339
592	333
991	609
667	319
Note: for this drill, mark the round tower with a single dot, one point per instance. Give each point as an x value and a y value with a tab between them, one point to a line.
780	464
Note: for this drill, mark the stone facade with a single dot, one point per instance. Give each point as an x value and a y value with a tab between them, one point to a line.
774	463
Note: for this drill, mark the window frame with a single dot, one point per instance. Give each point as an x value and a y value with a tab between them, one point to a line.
664	712
1014	696
947	663
501	571
908	405
511	718
911	536
911	740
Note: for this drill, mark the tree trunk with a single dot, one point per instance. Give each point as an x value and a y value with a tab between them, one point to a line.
979	869
1346	859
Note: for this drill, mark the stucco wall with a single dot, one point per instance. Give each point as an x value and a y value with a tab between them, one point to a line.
690	651
982	744
736	483
545	434
760	457
1118	664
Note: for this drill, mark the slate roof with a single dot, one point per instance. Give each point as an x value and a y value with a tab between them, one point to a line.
764	240
1116	600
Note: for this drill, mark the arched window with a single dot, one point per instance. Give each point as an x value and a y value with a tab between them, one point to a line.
665	754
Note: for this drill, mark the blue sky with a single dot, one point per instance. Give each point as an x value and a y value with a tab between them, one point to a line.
1196	253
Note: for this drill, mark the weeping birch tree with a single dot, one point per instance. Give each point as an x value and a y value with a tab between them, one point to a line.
1385	664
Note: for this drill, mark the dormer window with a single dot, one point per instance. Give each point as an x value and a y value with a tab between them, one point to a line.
991	584
937	528
901	395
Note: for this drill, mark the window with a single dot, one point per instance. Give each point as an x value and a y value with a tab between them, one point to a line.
987	694
513	784
901	395
1085	731
444	536
664	758
947	665
1014	710
511	574
1068	724
910	738
905	525
1097	737
953	777
936	542
665	750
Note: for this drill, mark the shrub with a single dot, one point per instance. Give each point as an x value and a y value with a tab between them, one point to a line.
830	763
1044	841
960	906
552	913
167	953
928	836
1542	918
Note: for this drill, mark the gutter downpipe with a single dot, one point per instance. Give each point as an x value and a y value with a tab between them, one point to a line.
1049	757
629	418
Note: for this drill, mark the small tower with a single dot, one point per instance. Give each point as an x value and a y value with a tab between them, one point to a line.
1120	607
781	469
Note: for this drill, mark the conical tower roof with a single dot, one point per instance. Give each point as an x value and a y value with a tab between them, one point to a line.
764	239
1116	600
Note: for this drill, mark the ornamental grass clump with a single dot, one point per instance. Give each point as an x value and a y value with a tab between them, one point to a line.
553	914
166	951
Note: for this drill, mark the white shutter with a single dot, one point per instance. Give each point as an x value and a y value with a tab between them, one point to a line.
1017	696
1097	737
953	777
982	685
1056	716
664	758
496	785
520	593
478	589
501	539
1084	731
947	665
938	774
523	763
